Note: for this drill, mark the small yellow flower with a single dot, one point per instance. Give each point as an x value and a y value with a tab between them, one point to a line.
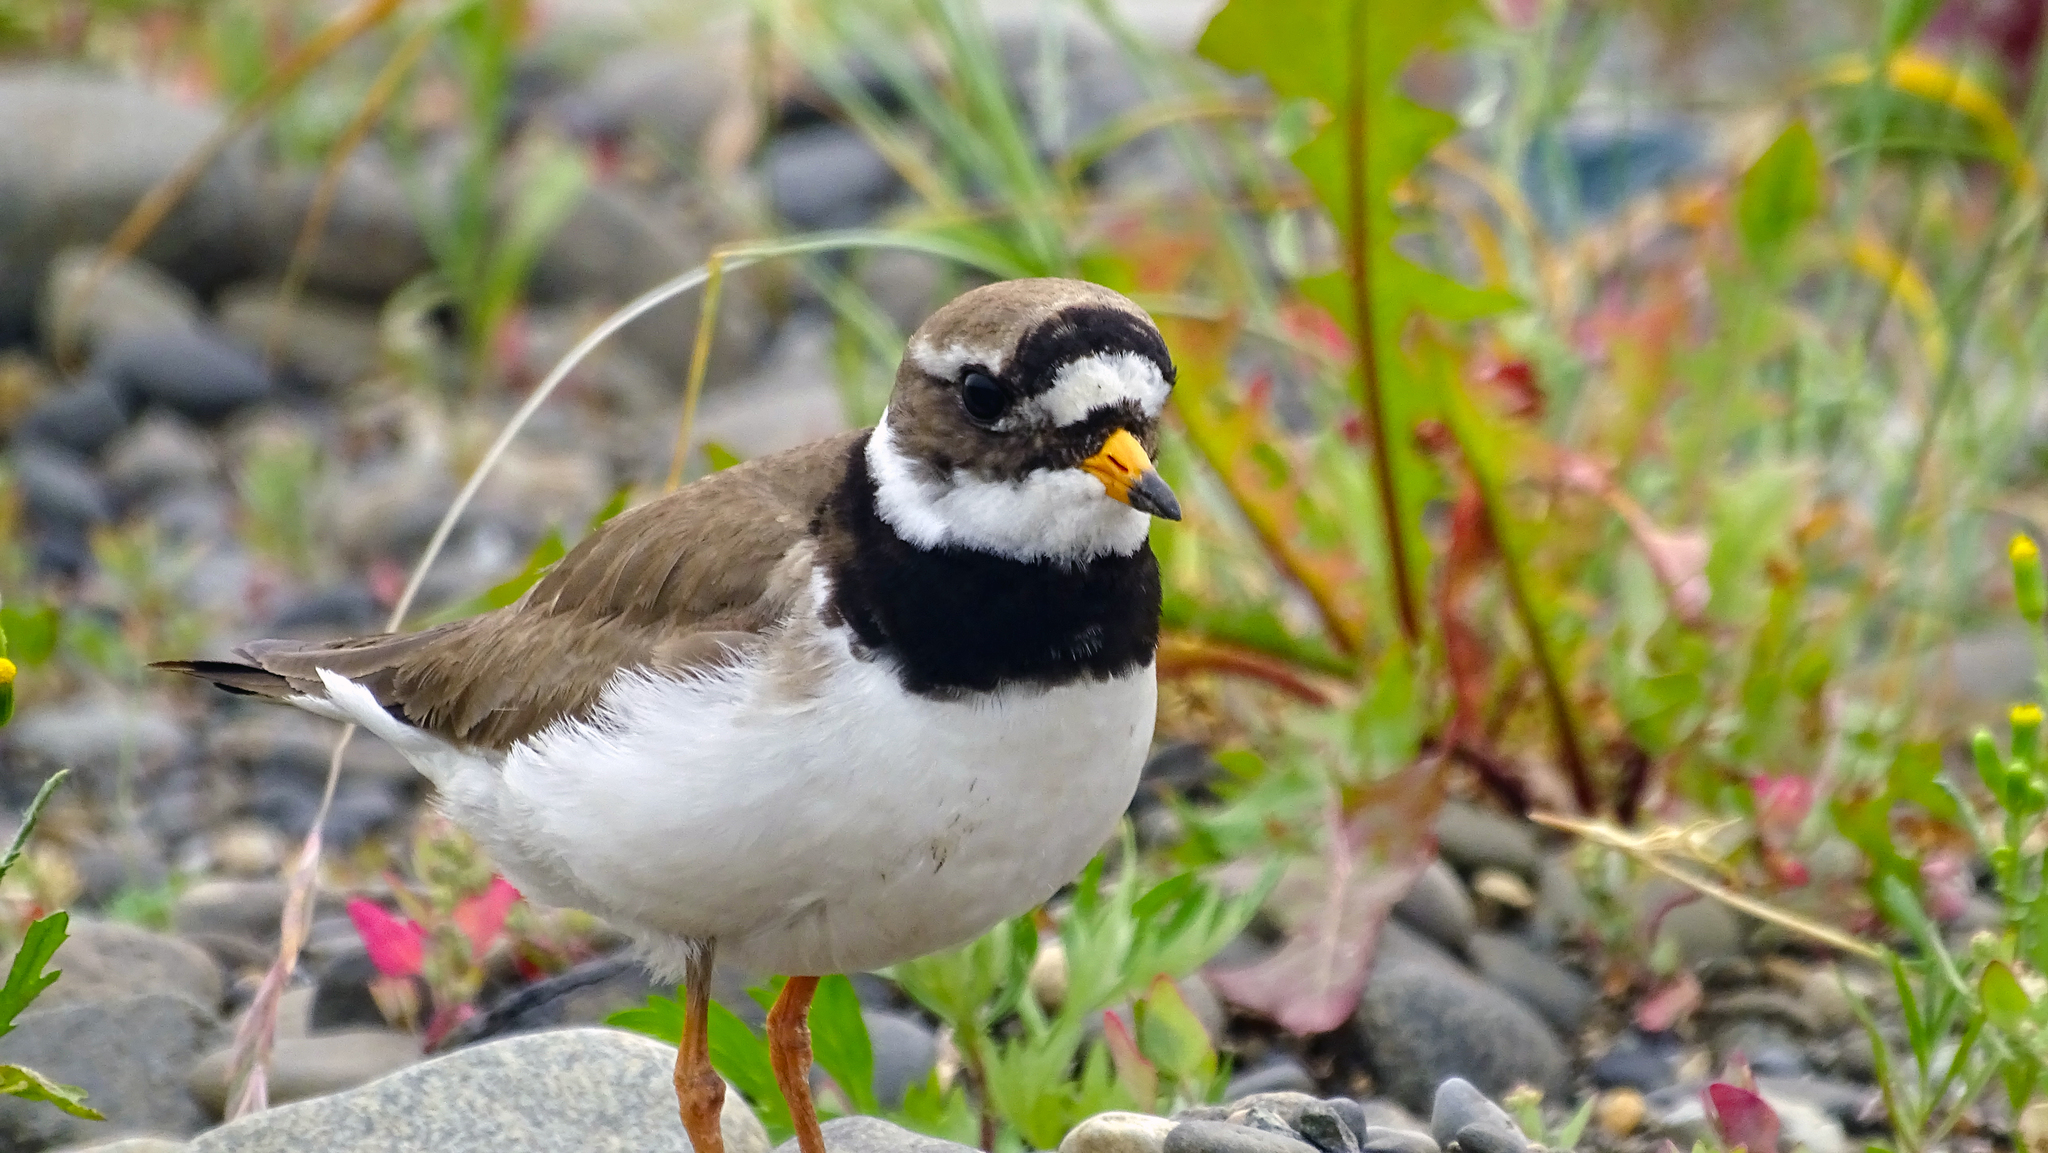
2029	583
2023	548
2027	716
6	671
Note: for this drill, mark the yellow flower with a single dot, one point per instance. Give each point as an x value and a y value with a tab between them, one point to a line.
2023	548
2029	584
6	671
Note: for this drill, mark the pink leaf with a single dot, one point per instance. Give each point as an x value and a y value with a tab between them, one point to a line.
397	947
1741	1118
1313	983
482	917
1781	802
1665	1008
1136	1073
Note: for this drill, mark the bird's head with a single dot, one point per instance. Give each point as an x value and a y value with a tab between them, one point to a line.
1023	423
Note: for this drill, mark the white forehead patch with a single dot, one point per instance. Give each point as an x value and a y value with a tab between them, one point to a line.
1052	514
946	363
1092	382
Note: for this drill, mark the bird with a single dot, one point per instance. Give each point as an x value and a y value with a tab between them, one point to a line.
826	710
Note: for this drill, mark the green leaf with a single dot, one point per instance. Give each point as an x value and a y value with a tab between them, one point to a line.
31	633
660	1018
1172	1037
719	456
16	1081
25	978
840	1044
2005	1003
612	507
30	818
1161	895
741	1056
1780	192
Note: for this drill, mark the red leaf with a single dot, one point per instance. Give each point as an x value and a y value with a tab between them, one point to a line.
481	918
1741	1118
1136	1073
397	947
1312	984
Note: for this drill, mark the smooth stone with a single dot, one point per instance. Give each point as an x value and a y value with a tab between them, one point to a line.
160	453
1701	930
592	1090
1851	1104
1562	996
868	1135
1783	1009
1283	1074
130	296
1423	1022
1438	907
827	176
197	374
1459	1105
1562	912
1381	1139
1489	1139
1283	1107
130	1057
330	343
341	999
1767	1047
1633	1063
583	994
905	1052
1620	1112
110	960
667	94
1118	1133
82	418
138	1144
252	909
1474	838
59	489
96	734
1223	1137
311	1066
370	242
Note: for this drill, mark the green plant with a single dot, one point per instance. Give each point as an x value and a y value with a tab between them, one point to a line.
1033	1071
26	978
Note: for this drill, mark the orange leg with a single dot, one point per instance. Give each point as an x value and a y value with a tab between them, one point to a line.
789	1050
700	1091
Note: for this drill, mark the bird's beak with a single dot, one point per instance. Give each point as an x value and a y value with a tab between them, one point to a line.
1127	473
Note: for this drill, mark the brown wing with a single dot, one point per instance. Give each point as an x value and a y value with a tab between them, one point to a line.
684	581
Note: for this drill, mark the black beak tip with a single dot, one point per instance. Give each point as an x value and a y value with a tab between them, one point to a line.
1151	495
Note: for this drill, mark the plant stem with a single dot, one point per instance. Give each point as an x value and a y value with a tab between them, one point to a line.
1372	399
29	819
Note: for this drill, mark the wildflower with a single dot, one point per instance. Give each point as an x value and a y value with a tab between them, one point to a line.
397	946
2029	586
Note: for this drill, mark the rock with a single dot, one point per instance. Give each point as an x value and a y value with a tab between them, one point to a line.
583	995
872	1135
129	1055
593	1090
1488	1139
1458	1107
130	296
94	734
662	95
82	148
1699	929
1620	1112
371	243
1281	1074
249	909
109	960
331	343
825	176
613	247
140	1144
196	373
1474	838
1118	1133
311	1066
59	490
2032	1129
1325	1128
162	452
82	418
1767	1047
1047	979
1633	1063
1438	907
1562	996
106	866
1503	889
341	999
1562	911
1223	1137
1770	1005
1381	1139
1281	1109
1422	1022
905	1052
248	850
790	398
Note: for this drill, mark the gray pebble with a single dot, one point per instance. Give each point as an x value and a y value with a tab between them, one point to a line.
1460	1105
1221	1137
1380	1139
1321	1127
1489	1139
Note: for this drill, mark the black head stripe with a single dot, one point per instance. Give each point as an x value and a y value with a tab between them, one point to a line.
1082	330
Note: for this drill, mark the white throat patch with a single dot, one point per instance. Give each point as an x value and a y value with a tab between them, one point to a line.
1052	514
1091	382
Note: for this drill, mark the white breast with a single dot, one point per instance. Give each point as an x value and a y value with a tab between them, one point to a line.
802	809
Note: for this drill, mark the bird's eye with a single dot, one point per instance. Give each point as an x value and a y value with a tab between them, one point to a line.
982	397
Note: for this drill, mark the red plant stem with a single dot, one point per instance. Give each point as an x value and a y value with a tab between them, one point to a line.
1179	657
1373	400
1495	772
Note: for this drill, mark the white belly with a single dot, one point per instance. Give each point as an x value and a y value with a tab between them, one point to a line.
846	826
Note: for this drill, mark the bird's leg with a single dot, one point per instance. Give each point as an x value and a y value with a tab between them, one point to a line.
789	1049
700	1091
